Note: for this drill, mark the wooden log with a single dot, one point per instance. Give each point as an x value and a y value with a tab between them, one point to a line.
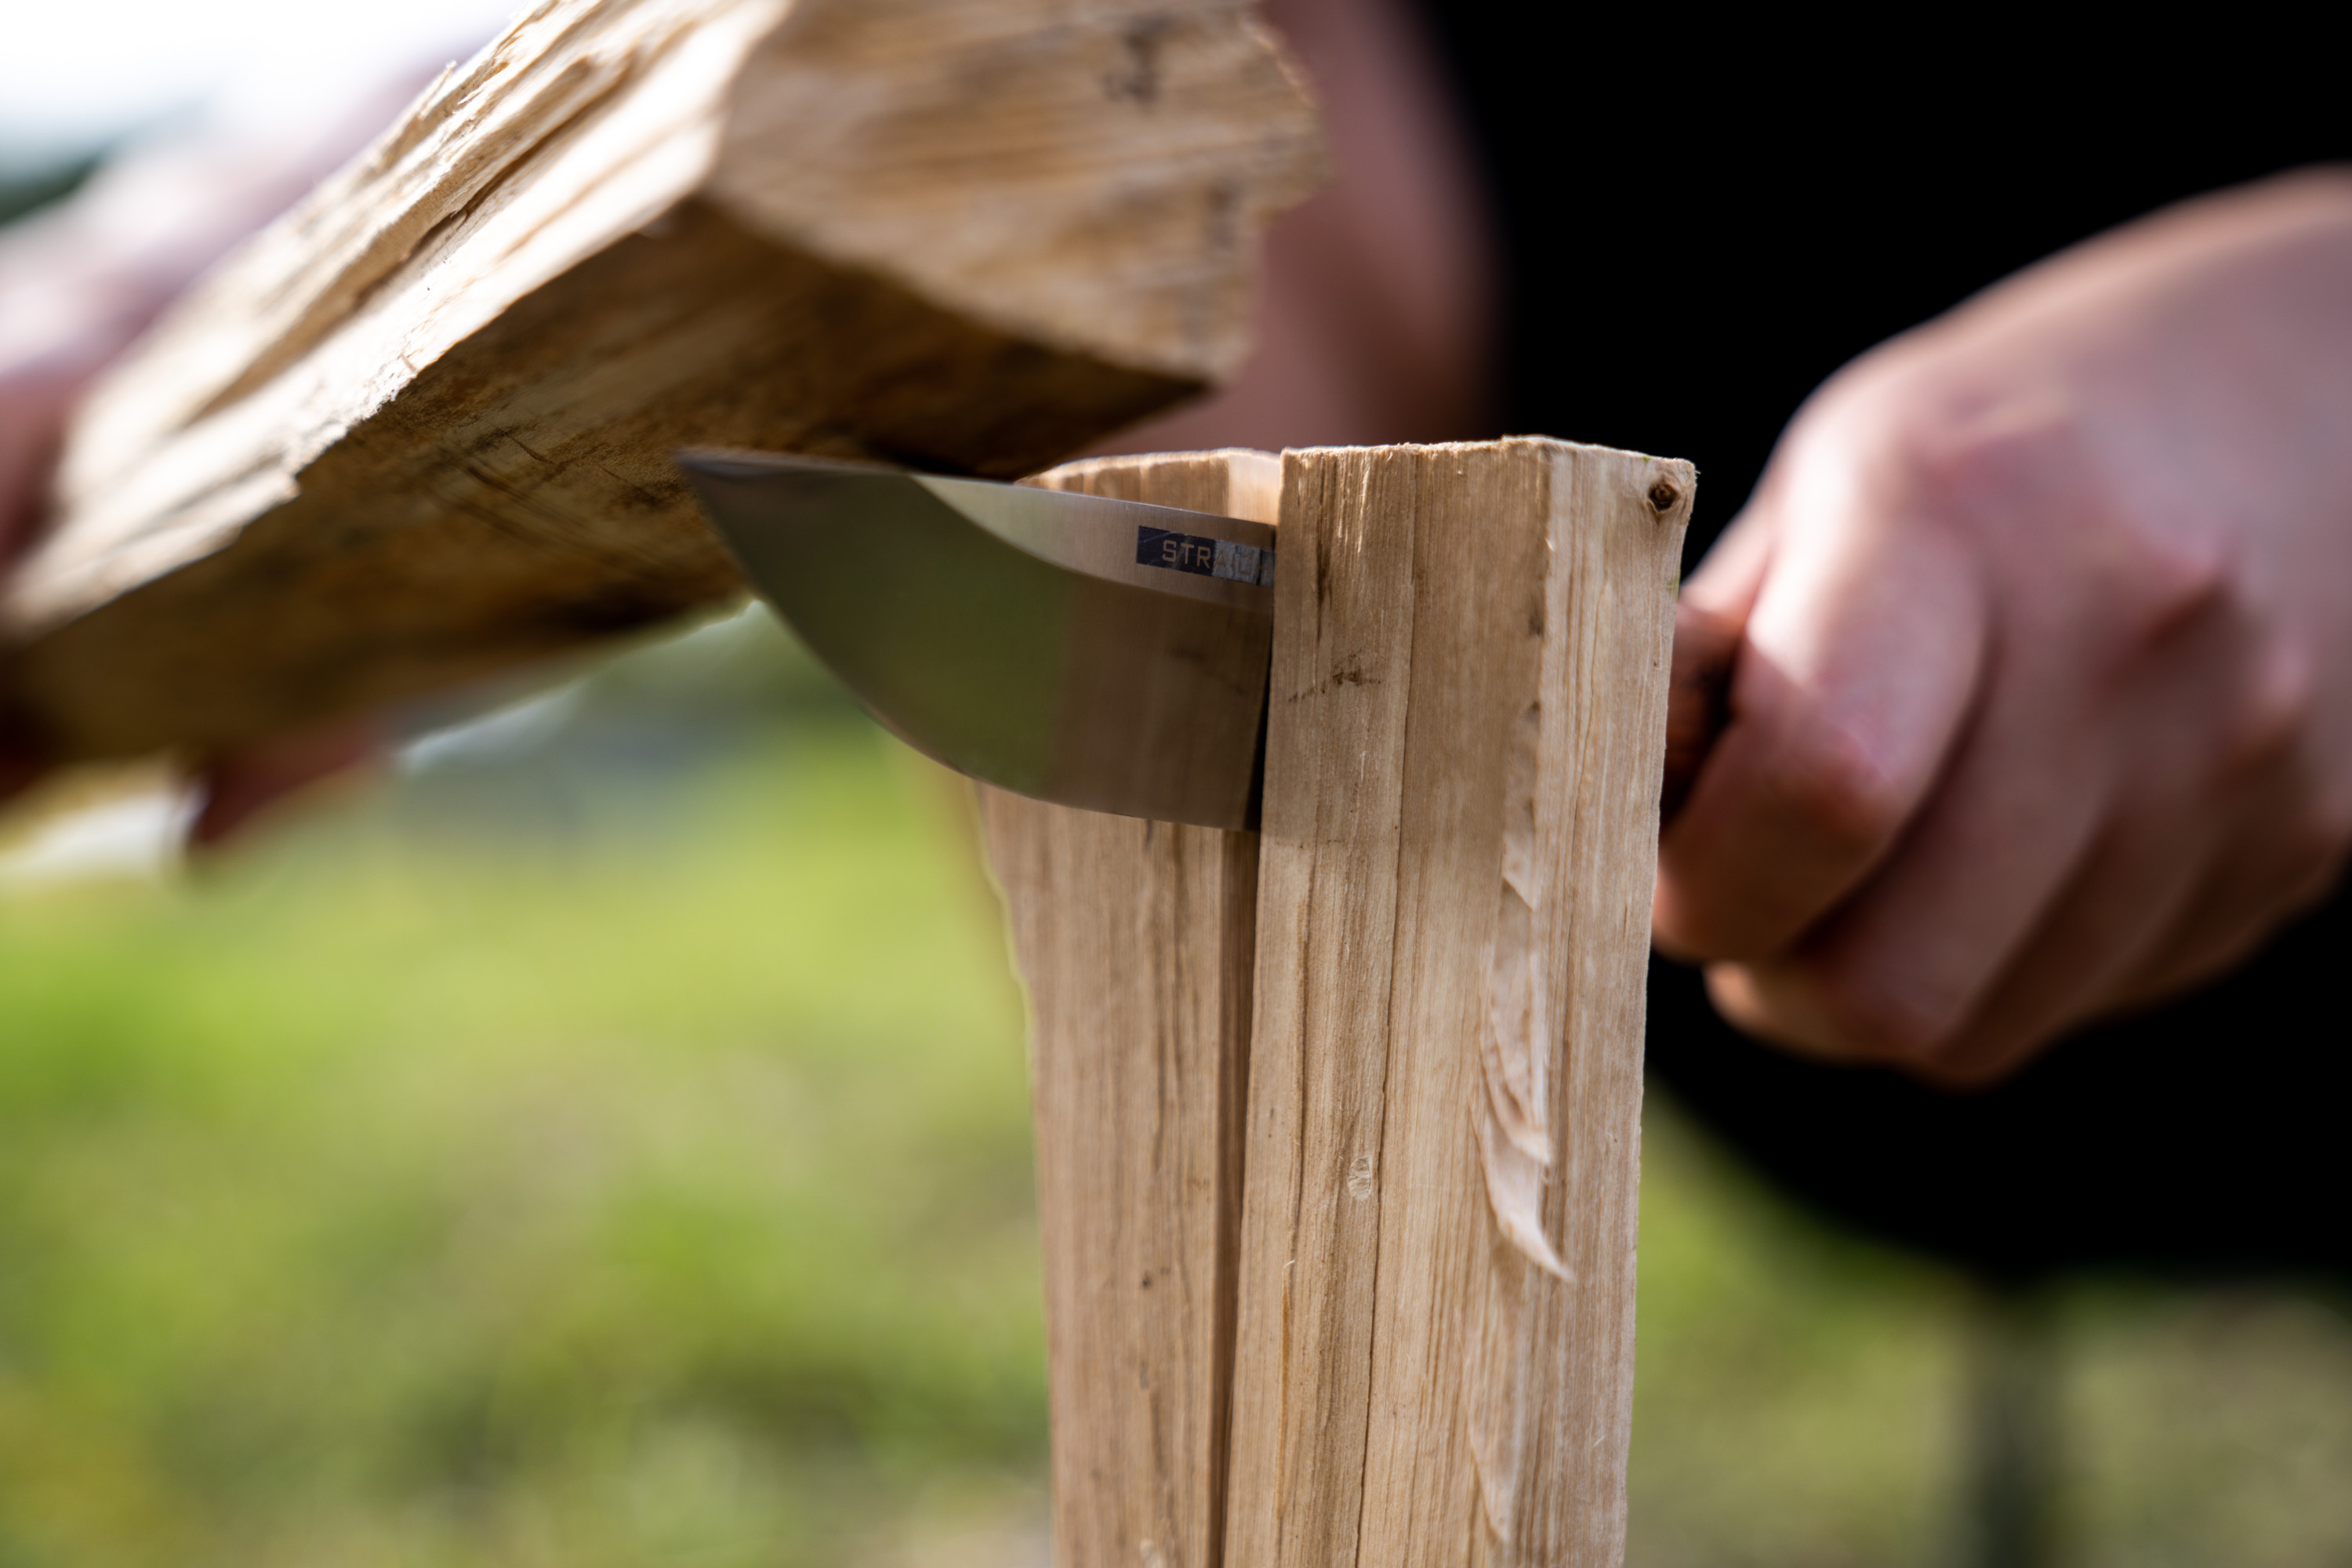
1434	1334
420	429
1135	940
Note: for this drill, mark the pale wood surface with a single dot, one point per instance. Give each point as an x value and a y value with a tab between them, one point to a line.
420	429
1135	942
1434	1329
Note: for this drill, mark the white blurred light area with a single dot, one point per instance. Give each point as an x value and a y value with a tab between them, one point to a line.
80	75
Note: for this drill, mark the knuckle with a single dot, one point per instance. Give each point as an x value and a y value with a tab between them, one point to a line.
1830	788
2272	720
2027	478
2163	584
1989	463
2140	583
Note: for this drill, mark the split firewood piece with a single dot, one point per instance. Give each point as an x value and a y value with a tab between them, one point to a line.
420	429
1135	940
1435	1328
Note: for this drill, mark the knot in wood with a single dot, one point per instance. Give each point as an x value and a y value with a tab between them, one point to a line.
1663	496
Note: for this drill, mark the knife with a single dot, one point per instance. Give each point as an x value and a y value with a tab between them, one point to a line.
1103	653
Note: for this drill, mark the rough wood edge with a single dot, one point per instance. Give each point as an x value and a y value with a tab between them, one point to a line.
1416	1380
348	378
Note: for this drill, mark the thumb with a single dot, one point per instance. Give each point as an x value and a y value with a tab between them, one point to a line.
1710	617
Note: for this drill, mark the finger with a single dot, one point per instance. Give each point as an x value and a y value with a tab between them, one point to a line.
31	423
1709	615
2262	882
1698	692
2130	891
2229	927
1858	666
241	785
2287	841
1898	972
2200	842
1728	577
1745	1000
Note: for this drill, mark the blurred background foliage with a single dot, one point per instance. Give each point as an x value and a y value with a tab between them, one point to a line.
602	1140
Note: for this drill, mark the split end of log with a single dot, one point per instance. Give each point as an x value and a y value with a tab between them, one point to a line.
420	429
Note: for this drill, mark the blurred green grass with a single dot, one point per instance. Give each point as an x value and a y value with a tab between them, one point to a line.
395	1199
467	1176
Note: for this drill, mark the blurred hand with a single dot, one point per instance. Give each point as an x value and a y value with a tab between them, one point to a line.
78	284
1374	307
2039	641
36	402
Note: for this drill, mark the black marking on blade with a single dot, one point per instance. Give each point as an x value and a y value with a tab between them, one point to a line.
1203	557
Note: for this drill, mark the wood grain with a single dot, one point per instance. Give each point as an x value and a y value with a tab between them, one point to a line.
1135	940
1434	1331
420	429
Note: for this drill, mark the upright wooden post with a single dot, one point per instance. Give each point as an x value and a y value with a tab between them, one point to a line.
1135	940
1434	1335
1407	1257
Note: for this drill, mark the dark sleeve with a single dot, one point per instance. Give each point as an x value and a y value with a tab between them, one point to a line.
1701	222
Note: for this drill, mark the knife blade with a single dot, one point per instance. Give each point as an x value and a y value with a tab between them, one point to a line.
1103	653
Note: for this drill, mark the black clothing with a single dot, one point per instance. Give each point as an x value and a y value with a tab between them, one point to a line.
1742	216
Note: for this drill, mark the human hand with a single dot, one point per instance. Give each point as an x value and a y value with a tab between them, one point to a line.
78	284
40	380
35	404
2039	705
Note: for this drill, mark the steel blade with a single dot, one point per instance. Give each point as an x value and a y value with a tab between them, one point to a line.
1099	653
